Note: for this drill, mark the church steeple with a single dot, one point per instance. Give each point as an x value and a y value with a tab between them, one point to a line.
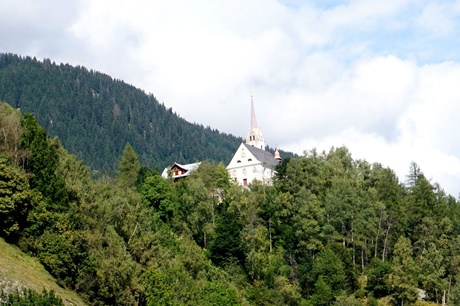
255	137
253	115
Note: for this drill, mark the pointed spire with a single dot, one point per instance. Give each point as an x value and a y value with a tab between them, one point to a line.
255	137
253	115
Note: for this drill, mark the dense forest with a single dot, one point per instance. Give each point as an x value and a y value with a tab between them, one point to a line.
94	116
331	230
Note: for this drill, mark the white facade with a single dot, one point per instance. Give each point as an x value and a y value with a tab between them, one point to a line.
251	161
246	167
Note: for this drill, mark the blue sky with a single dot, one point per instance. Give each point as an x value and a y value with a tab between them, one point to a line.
380	77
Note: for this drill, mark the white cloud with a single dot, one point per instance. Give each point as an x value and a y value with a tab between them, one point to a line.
422	101
365	74
437	18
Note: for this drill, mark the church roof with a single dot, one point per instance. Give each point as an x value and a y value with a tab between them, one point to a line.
262	155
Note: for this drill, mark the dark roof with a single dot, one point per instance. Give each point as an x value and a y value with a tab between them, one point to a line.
263	156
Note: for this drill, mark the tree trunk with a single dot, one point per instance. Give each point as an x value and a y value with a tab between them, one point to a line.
270	233
354	249
134	231
386	240
378	234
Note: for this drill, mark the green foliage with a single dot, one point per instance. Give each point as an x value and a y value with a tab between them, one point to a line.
30	297
14	200
347	301
330	268
217	294
159	194
201	204
404	272
128	167
95	115
215	176
455	295
64	255
206	241
378	278
11	132
324	295
226	245
42	163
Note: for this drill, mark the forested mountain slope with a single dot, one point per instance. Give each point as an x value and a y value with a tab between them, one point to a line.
331	230
94	116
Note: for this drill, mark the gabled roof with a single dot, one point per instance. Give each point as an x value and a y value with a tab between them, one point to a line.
188	168
263	156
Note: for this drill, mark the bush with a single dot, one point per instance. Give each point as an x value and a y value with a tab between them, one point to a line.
30	297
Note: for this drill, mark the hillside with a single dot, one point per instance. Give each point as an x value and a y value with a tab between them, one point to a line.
331	230
19	271
94	116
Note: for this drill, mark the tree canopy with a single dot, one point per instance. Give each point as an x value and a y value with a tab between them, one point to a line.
331	230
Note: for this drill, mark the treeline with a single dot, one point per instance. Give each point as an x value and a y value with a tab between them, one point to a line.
94	116
330	231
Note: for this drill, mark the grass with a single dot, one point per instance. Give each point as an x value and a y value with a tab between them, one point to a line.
18	270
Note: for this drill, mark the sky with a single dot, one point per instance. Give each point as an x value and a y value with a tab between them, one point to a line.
379	77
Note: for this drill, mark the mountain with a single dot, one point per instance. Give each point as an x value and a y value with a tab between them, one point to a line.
330	230
94	116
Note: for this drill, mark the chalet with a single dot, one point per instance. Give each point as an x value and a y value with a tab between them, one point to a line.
250	161
178	171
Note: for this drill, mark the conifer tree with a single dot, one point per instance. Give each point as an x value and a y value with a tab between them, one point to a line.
128	167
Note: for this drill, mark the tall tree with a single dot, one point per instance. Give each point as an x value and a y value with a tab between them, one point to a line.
14	200
128	167
42	163
404	272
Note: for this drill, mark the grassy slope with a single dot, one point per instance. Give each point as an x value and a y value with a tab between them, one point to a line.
18	270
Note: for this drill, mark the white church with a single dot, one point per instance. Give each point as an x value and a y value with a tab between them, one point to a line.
251	161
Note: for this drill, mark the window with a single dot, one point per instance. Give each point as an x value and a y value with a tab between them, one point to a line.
238	161
250	159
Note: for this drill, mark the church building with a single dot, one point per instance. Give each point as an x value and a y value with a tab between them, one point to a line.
251	161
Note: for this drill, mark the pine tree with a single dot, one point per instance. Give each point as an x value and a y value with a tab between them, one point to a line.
128	167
